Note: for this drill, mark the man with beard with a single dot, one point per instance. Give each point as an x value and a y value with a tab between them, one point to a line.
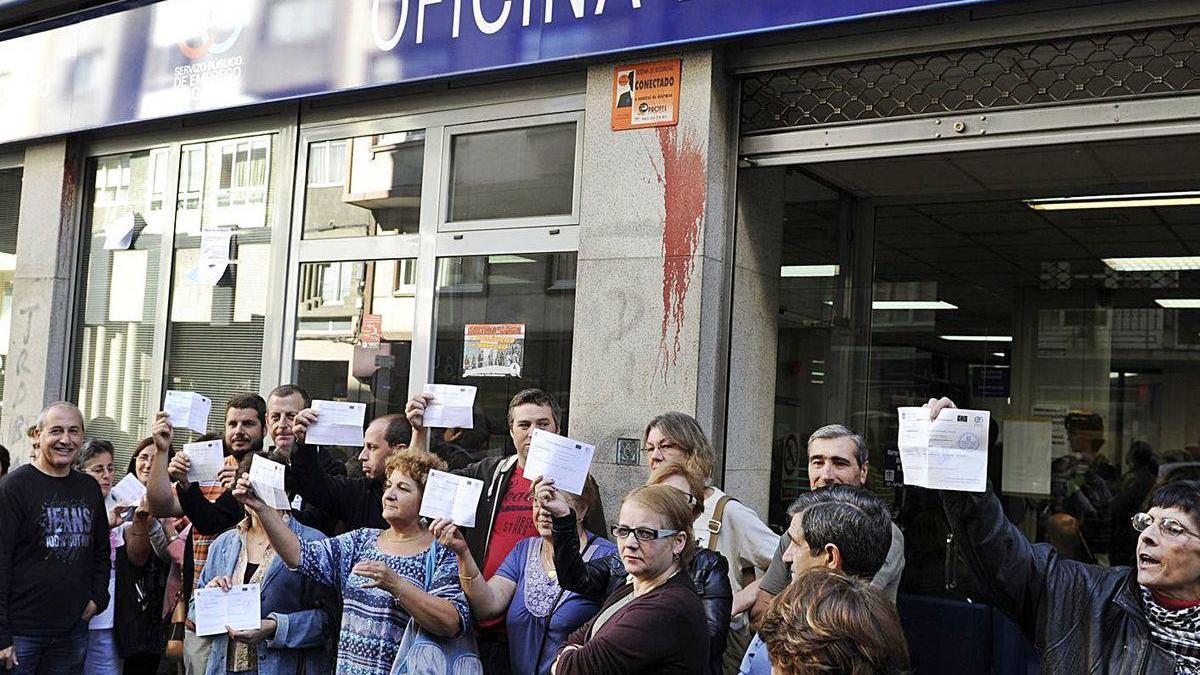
54	552
245	424
214	517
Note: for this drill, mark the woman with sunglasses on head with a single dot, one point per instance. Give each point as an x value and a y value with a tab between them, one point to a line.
1087	618
655	623
538	613
599	578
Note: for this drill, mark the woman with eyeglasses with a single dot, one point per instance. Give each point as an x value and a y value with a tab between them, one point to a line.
724	524
1087	618
538	613
109	637
600	578
655	623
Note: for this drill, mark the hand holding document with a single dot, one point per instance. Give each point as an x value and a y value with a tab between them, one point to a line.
188	409
565	460
451	497
238	608
338	423
266	477
205	460
452	406
949	453
128	492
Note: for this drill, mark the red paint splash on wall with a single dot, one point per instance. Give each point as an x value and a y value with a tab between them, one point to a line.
684	190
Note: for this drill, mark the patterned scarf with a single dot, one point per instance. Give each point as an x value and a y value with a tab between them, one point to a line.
1177	631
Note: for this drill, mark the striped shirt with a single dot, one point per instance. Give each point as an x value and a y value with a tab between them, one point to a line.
201	542
372	623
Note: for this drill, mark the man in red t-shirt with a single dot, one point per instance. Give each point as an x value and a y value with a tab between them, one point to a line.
504	515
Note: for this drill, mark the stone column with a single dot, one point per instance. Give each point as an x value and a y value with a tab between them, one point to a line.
47	244
653	285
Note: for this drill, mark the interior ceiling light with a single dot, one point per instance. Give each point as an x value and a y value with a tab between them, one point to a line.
1179	303
912	304
1143	200
977	338
798	271
1171	264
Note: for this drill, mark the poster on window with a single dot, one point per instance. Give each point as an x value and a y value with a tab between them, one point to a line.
371	333
646	95
493	349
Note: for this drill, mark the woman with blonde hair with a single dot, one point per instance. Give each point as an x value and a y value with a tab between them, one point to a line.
654	535
724	524
600	578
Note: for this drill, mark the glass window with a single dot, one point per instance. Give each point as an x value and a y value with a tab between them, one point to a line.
504	323
113	364
354	333
374	191
10	211
215	338
514	173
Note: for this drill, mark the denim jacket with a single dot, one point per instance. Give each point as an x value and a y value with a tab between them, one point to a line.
300	643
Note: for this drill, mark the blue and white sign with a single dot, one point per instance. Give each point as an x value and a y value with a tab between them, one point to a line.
180	56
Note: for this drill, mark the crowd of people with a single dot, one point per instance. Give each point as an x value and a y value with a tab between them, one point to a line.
685	578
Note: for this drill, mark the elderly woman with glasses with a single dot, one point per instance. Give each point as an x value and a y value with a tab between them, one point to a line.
1086	618
655	623
601	577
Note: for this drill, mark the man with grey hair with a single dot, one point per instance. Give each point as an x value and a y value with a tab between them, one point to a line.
54	552
836	456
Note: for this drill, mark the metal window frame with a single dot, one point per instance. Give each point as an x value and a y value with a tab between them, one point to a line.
12	160
432	240
561	220
281	127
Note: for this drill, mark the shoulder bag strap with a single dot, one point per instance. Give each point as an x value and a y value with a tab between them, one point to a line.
714	523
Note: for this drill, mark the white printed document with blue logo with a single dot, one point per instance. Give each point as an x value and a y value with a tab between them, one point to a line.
949	453
239	608
565	460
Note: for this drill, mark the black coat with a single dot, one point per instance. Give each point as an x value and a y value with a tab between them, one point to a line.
1082	618
598	578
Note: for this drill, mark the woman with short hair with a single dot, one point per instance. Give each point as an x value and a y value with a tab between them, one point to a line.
655	624
386	577
828	622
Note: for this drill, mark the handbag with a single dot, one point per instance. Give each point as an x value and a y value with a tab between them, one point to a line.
422	653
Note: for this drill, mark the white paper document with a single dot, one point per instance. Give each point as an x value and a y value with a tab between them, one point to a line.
128	492
118	233
451	407
188	409
451	497
239	609
338	423
206	275
214	247
205	459
565	460
266	477
1028	447
949	453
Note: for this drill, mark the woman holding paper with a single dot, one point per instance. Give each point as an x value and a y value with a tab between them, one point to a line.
290	637
539	614
130	549
601	577
655	623
394	582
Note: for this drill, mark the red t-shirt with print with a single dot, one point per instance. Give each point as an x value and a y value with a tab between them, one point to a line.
514	522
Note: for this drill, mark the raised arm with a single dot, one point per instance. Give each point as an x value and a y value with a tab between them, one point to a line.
159	495
489	598
283	540
589	579
414	410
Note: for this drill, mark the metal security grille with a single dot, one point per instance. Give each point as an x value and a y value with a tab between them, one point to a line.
1096	67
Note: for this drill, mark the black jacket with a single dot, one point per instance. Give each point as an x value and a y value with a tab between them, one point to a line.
496	473
598	578
1082	618
356	502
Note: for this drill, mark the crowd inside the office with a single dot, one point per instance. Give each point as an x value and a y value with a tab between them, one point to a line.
687	579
